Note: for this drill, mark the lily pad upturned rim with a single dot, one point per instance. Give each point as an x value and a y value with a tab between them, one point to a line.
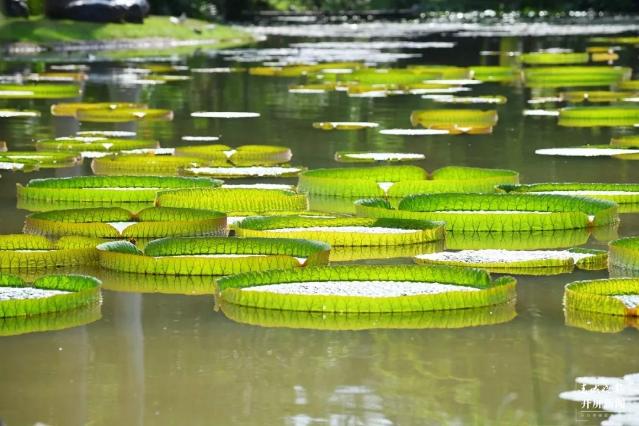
243	155
564	212
122	115
94	144
39	91
143	165
69	109
152	222
234	200
491	292
83	290
183	256
35	252
595	295
260	227
41	159
624	253
630	198
99	188
351	156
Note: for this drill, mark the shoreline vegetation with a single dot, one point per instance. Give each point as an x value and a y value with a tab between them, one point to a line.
156	32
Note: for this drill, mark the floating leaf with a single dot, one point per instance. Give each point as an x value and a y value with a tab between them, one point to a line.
494	73
39	91
370	157
620	193
628	141
30	160
524	262
608	116
230	172
343	231
212	255
555	58
523	240
29	252
51	293
344	125
497	212
71	109
157	165
456	121
244	155
14	113
593	96
123	115
612	296
107	189
52	321
361	288
624	253
116	222
94	146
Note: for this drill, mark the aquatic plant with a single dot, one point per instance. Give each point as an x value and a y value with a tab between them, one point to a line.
51	321
575	76
522	240
624	253
132	282
50	293
244	155
15	113
230	172
484	99
145	165
343	231
592	96
490	73
336	321
399	181
367	288
344	125
608	116
235	200
107	189
30	160
371	157
90	145
212	255
123	115
116	222
626	141
554	58
525	262
28	252
620	193
70	109
456	121
39	91
497	212
611	296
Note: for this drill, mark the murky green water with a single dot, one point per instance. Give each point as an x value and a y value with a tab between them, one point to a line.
160	359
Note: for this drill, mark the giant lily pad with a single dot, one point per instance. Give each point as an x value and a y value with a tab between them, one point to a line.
360	288
626	141
494	73
523	240
608	116
116	222
525	262
71	109
370	157
107	189
343	231
555	58
147	165
95	146
28	252
212	255
30	160
497	212
624	253
235	200
611	296
39	91
620	193
398	181
51	293
123	115
456	121
12	326
230	172
575	76
245	155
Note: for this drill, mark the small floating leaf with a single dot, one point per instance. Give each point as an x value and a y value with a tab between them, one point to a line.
71	109
39	91
555	58
122	115
344	125
369	157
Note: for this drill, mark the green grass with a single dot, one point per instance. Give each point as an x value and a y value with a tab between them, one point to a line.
42	30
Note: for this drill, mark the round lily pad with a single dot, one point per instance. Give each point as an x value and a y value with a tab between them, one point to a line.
70	109
142	165
370	157
230	172
30	160
344	125
363	288
245	155
620	193
624	253
51	321
525	262
456	121
107	189
116	222
212	255
235	200
611	296
51	293
608	116
575	76
122	115
497	212
343	231
399	181
627	141
555	58
29	252
39	91
94	146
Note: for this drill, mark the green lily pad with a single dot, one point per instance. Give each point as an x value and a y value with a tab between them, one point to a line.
95	146
363	288
611	296
371	157
555	58
123	115
620	193
456	121
212	255
30	252
244	155
624	253
39	91
608	116
31	160
143	165
71	109
575	76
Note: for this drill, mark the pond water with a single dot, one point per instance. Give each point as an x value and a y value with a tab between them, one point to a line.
166	359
